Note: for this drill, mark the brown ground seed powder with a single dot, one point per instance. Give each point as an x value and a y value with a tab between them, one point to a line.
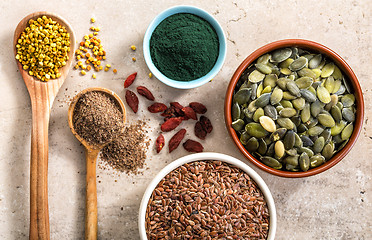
127	153
97	118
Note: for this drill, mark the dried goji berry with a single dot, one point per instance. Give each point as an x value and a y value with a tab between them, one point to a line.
199	130
206	123
169	112
159	143
132	100
130	80
157	107
177	107
193	146
189	112
145	92
198	107
171	124
176	139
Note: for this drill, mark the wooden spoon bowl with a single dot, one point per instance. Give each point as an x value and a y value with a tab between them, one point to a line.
42	95
92	152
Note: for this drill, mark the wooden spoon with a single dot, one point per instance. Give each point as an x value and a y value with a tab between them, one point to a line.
42	95
91	153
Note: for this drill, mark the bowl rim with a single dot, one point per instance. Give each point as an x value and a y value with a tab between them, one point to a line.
200	13
344	67
205	157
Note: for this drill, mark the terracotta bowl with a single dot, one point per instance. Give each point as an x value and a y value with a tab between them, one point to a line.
315	47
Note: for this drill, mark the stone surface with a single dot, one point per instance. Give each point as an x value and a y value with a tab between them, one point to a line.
333	205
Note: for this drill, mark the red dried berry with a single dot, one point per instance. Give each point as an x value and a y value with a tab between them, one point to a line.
176	139
145	92
132	100
199	131
198	107
169	112
189	112
159	143
177	108
171	124
193	146
206	123
130	80
176	105
157	107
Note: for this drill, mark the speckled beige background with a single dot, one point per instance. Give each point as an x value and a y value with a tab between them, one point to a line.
332	205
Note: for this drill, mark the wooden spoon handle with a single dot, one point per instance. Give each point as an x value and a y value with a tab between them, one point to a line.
39	215
91	196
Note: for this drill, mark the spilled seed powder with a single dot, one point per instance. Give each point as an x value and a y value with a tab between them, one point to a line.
127	153
97	118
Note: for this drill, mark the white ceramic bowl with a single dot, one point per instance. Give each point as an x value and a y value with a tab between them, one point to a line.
208	156
221	55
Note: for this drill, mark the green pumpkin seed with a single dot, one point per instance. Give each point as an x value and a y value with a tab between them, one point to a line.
285	71
323	94
312	89
252	107
281	55
238	125
341	90
337	139
279	107
263	100
262	147
329	84
291	168
286	103
287	112
279	149
317	72
348	114
278	134
306	150
259	90
315	61
315	131
235	111
276	96
282	83
254	91
347	131
244	137
318	145
293	88
347	85
289	140
257	114
270	80
302	128
271	112
328	150
327	70
305	113
264	59
337	86
337	73
312	122
243	96
271	162
296	120
326	134
286	63
267	89
348	100
256	76
252	144
299	103
308	95
304	162
255	130
333	102
267	123
316	107
337	129
298	142
270	150
247	113
263	68
285	123
298	64
321	65
304	82
316	160
291	160
306	72
339	105
326	120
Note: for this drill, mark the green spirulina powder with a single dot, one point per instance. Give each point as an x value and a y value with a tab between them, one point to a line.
184	47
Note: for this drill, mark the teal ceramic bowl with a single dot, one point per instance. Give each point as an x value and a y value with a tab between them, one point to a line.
193	83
